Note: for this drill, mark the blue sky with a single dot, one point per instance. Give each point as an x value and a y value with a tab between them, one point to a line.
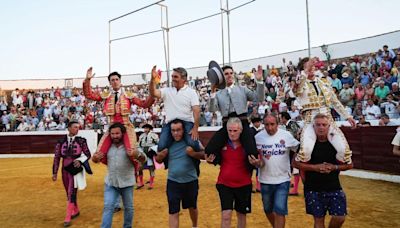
59	39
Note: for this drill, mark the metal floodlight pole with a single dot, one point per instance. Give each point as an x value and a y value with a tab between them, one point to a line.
222	32
228	11
308	31
119	17
229	32
109	47
165	28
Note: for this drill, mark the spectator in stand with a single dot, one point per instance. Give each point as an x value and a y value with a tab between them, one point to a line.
346	95
5	121
381	91
335	82
362	122
17	101
23	126
346	77
256	125
61	126
385	121
391	107
3	106
365	77
358	110
359	92
370	92
271	93
395	92
395	71
208	117
389	79
13	118
262	109
294	113
42	125
47	112
389	53
372	112
51	125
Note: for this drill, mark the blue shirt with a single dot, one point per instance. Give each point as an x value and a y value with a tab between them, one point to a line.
336	83
348	80
365	79
181	166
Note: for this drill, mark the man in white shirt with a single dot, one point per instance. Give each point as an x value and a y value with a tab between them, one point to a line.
390	107
61	126
385	121
23	126
47	112
180	102
274	145
294	112
263	108
52	125
372	112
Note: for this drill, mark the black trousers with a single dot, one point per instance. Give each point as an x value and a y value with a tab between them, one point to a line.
220	138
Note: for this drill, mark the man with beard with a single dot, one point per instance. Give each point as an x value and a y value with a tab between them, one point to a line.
120	178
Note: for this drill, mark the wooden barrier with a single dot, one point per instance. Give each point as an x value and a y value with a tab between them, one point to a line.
371	146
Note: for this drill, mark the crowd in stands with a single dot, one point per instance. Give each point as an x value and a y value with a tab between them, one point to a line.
367	85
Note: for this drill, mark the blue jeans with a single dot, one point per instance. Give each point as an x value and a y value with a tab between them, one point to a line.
166	137
118	203
110	198
275	197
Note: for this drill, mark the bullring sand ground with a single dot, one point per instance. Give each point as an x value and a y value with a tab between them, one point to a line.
29	198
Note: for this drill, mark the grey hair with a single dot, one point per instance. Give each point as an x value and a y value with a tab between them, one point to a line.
321	116
273	116
234	120
182	71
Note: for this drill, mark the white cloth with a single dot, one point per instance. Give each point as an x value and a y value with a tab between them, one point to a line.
335	137
80	178
178	104
396	139
294	114
274	150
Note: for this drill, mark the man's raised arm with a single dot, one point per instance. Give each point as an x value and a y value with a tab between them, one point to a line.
87	89
154	92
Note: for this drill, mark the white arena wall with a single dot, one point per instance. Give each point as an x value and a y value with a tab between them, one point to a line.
336	50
